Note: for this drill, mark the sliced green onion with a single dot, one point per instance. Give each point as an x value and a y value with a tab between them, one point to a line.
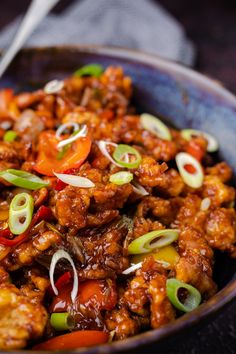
155	126
212	143
58	255
153	240
22	179
193	299
90	70
20	213
61	321
195	179
121	155
120	178
9	136
53	86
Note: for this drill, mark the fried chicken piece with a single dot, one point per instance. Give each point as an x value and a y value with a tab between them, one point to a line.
103	248
143	225
217	191
25	253
195	263
78	208
170	183
149	172
146	293
190	213
221	229
121	321
21	319
161	209
222	170
72	207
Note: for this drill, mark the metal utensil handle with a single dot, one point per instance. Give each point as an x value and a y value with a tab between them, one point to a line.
37	10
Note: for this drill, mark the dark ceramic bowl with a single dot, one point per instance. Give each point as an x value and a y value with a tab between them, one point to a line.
187	99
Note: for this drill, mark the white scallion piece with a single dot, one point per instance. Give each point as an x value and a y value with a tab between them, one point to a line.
155	126
61	129
102	144
195	179
133	268
205	204
61	254
75	181
53	86
83	132
139	189
212	143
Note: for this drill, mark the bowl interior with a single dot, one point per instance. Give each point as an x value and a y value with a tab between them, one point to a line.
181	96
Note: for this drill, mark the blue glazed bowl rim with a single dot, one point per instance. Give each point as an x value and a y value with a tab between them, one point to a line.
228	293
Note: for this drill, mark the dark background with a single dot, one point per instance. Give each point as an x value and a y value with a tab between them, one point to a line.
211	25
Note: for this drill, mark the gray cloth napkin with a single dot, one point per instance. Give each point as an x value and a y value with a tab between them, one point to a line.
137	24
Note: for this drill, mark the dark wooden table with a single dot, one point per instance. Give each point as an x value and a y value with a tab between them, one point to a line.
211	24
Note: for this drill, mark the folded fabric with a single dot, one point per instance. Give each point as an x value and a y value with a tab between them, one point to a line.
141	24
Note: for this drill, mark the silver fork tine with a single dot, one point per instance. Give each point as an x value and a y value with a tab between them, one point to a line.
37	10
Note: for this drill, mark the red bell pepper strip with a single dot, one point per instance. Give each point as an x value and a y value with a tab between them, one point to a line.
61	282
43	213
74	340
100	294
194	149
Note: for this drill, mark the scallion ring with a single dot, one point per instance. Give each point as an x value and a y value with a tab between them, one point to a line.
60	254
155	126
90	70
127	156
61	321
121	178
212	143
194	179
9	136
191	300
23	179
20	213
153	240
53	86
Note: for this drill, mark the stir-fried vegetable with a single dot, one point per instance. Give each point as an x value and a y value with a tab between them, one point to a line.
153	240
9	136
20	213
155	126
74	340
190	170
76	181
23	179
191	296
90	70
53	86
167	254
60	254
47	162
121	178
127	156
212	145
99	294
61	321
